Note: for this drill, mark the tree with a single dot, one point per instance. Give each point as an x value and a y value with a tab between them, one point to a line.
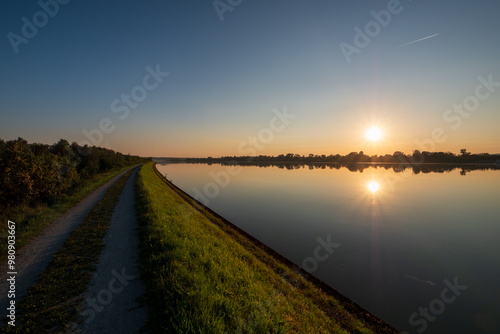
17	164
61	148
39	173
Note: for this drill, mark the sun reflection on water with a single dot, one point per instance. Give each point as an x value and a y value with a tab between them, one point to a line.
373	187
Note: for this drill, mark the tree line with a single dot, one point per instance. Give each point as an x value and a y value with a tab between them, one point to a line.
416	157
40	173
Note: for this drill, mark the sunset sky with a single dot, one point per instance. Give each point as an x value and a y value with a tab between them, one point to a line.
428	75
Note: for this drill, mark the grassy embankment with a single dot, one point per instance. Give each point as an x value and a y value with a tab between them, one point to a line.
52	303
31	221
205	276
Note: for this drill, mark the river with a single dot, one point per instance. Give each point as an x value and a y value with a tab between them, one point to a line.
418	248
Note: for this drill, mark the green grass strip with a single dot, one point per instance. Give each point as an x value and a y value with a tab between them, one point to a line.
31	221
51	304
202	276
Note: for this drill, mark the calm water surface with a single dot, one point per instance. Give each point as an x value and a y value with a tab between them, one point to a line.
404	237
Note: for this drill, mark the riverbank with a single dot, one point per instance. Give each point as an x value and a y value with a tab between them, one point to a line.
204	273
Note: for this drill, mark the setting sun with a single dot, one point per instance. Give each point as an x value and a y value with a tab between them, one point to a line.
373	134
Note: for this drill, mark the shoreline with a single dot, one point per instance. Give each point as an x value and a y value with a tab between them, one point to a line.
162	161
348	304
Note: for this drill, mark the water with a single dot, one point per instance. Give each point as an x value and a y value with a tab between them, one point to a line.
404	238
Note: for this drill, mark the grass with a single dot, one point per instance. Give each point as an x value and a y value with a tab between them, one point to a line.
31	221
204	276
51	304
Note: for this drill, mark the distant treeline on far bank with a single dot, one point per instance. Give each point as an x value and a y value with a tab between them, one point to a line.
417	157
39	173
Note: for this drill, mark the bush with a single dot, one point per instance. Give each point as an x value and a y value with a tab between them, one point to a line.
39	173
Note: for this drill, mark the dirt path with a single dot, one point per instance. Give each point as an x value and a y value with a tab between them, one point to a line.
111	301
32	259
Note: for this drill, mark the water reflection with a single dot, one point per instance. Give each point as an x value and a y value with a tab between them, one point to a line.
373	187
357	167
399	227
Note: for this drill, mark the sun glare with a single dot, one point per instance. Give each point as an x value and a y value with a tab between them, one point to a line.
373	134
373	186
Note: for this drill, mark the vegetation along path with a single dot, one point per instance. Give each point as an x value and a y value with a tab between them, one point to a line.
201	273
32	259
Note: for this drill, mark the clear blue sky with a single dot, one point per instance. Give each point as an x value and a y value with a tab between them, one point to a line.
226	77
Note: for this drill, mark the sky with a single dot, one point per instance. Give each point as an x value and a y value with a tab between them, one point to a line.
239	77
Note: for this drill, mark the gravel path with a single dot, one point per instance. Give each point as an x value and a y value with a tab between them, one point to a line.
111	301
32	259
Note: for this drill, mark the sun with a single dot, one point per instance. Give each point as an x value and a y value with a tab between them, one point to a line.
373	134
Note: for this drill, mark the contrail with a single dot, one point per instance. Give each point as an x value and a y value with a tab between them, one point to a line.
418	40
